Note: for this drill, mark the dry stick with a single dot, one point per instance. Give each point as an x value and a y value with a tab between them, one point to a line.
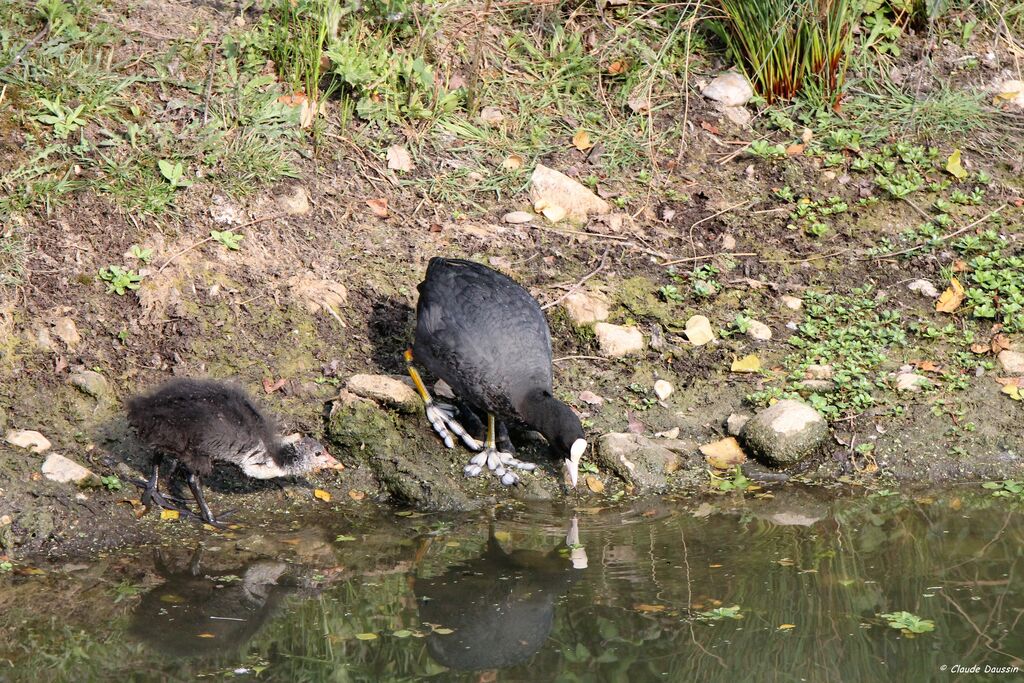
26	48
564	358
474	68
209	85
706	257
210	238
693	247
579	284
938	239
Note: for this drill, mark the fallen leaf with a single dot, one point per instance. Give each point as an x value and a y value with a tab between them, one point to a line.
552	212
402	633
749	363
951	299
270	386
1000	342
590	398
169	514
980	348
399	158
322	495
443	631
643	607
205	635
617	67
1011	381
954	167
959	266
639	102
502	536
795	150
723	454
593	483
513	162
581	140
925	365
356	495
1013	392
709	127
786	627
366	636
379	207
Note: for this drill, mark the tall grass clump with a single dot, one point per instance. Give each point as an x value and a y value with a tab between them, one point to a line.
786	46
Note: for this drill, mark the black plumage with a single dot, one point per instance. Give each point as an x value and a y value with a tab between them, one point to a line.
487	338
197	422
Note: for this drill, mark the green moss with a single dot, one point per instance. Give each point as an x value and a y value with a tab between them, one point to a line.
639	296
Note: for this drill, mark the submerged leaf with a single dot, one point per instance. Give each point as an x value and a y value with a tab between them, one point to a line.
366	636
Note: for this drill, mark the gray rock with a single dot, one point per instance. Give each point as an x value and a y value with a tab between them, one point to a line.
618	340
1012	362
741	116
640	461
92	383
734	423
26	438
64	470
785	433
391	391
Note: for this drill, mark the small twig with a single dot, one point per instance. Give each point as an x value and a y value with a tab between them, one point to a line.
209	85
474	66
579	283
693	247
210	238
816	257
564	358
707	256
951	235
3	91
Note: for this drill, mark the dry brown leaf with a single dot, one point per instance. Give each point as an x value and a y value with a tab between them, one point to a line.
356	495
1000	342
617	67
399	158
270	386
951	298
959	266
709	127
316	294
723	454
379	207
642	607
926	365
795	150
581	140
593	483
980	348
750	363
1011	381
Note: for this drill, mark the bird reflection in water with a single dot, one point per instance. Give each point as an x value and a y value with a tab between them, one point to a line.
501	605
196	613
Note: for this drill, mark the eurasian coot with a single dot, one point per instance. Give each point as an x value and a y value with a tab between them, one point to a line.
199	421
487	338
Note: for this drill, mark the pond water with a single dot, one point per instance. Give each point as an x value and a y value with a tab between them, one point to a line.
788	588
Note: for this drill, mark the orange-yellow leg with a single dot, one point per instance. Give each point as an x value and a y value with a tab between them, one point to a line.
441	417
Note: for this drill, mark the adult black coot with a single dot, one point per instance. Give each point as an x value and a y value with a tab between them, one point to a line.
198	421
487	338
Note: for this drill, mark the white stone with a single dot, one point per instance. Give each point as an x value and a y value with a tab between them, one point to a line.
731	88
819	371
388	390
63	470
294	202
224	212
910	381
66	330
26	438
734	423
698	330
1012	362
791	302
549	189
758	330
924	288
516	217
618	340
585	308
662	389
741	116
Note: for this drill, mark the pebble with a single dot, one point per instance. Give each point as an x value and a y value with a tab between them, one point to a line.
816	371
734	423
618	340
731	88
758	330
586	308
27	438
791	302
741	116
728	242
551	189
662	389
294	201
1012	362
910	381
63	470
924	288
66	330
819	386
699	331
516	217
591	399
91	383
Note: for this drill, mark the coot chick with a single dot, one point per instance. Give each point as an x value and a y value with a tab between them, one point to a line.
487	338
198	421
